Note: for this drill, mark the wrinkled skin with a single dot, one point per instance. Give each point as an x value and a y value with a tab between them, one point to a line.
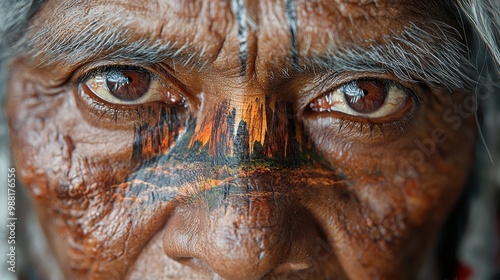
244	182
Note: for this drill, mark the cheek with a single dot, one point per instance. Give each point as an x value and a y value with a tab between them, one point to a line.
434	146
398	191
392	220
78	166
70	168
57	150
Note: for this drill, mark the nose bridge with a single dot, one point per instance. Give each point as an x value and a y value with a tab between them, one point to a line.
237	216
246	127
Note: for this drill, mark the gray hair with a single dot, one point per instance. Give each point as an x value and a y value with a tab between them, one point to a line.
480	19
479	244
14	16
485	17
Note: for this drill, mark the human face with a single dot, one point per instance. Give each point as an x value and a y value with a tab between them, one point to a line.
241	139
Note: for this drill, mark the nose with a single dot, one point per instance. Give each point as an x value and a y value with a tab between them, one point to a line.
247	237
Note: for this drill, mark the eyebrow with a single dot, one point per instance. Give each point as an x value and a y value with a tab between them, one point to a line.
98	37
431	53
103	40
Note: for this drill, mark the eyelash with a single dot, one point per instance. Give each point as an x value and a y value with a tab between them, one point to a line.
115	113
356	128
364	127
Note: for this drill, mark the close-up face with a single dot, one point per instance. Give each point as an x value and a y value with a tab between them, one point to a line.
242	139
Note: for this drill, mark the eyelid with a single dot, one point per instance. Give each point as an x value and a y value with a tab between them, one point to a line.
399	100
161	88
316	85
154	92
93	69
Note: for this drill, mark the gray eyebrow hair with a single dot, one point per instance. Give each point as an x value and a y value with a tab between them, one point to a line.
102	39
432	54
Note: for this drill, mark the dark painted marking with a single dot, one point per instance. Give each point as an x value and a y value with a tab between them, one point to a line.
242	36
292	25
241	142
149	139
183	162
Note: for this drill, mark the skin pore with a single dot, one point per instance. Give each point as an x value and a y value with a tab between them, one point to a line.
242	160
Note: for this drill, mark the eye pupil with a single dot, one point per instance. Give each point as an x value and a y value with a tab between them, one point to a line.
127	85
365	96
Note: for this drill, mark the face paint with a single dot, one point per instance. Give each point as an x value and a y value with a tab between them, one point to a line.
249	150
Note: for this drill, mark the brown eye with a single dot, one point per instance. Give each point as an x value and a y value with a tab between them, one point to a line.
367	98
131	86
127	85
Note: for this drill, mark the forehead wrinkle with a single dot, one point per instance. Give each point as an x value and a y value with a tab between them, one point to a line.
87	33
273	40
322	29
360	21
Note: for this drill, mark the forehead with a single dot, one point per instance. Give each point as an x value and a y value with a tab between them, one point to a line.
215	27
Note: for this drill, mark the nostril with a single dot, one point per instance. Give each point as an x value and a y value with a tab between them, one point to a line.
183	260
194	263
224	242
291	267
